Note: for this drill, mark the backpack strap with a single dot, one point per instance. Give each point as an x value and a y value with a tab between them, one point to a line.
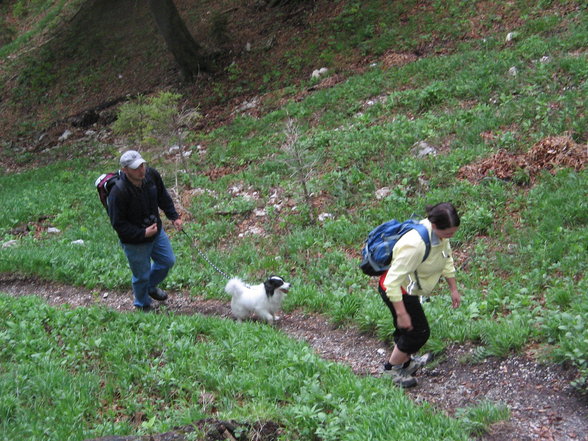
422	230
425	236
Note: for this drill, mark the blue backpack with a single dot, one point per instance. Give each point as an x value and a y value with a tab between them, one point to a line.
376	255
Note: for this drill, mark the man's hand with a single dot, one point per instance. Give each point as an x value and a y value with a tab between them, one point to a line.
151	230
178	224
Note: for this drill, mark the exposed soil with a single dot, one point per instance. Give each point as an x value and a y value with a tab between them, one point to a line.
543	405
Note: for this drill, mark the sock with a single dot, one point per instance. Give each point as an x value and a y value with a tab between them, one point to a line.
388	365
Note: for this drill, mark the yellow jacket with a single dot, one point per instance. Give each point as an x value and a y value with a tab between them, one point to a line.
407	258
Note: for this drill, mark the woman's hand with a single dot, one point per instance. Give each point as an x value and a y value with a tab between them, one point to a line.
455	299
455	296
404	322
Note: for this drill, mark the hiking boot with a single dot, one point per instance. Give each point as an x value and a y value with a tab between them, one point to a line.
158	294
416	363
146	308
400	377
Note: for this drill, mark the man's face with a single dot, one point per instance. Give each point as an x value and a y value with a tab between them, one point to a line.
136	174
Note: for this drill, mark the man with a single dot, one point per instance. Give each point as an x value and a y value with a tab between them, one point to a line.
133	207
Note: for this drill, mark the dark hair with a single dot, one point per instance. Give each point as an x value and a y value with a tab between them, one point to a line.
443	215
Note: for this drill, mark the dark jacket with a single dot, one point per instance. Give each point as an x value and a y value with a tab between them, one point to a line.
132	209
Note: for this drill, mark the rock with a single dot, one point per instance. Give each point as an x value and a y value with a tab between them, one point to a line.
381	193
252	231
53	230
77	242
317	73
10	243
248	105
324	216
64	136
422	149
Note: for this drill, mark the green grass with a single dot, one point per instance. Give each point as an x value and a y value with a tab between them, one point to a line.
479	417
522	246
89	372
49	10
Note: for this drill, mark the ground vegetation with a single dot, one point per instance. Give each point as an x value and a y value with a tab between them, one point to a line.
396	105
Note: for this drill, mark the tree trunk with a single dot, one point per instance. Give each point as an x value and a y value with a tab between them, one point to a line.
187	53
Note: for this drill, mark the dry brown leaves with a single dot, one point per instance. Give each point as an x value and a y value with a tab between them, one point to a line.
549	154
397	59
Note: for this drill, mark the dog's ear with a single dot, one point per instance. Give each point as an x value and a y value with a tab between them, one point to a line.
271	284
269	287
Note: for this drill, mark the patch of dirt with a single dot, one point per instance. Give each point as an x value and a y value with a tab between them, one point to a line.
542	403
549	154
215	430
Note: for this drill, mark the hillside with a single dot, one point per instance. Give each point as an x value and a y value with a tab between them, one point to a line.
103	51
479	103
71	73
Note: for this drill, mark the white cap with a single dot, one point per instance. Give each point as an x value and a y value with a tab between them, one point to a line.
131	159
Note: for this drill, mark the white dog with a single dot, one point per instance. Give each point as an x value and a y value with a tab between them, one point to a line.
263	300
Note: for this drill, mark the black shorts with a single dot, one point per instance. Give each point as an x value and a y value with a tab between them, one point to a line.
409	341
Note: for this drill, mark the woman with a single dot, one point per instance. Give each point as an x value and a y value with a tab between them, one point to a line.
410	277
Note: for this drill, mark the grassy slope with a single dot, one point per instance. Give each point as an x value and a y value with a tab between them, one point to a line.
523	270
79	374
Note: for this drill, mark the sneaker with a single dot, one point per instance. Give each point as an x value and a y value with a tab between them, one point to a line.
416	363
158	294
400	377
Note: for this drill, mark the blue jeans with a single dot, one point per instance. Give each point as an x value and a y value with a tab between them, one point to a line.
147	275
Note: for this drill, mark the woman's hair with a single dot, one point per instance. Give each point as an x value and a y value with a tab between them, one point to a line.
443	215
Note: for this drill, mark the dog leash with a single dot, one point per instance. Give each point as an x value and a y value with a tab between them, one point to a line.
225	275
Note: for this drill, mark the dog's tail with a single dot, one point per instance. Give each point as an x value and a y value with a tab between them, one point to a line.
234	287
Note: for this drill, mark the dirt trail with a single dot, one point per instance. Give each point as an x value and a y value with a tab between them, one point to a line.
543	405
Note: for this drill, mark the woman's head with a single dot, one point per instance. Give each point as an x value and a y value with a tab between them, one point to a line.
444	218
